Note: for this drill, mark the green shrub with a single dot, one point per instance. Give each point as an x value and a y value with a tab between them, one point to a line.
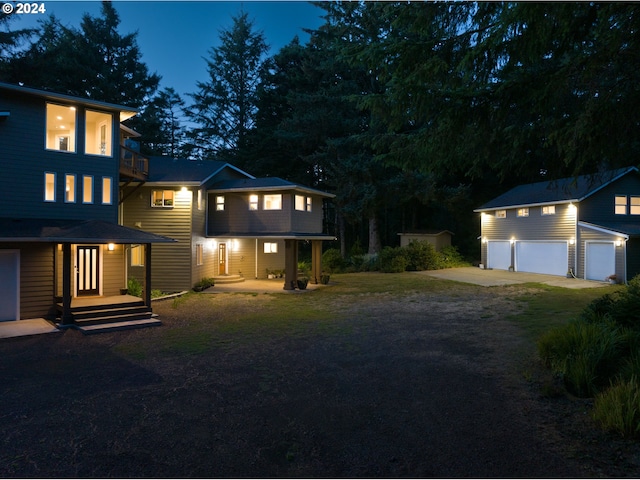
617	409
451	258
204	283
587	355
134	287
421	255
332	261
392	260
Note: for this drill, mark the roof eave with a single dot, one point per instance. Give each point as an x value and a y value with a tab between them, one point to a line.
526	205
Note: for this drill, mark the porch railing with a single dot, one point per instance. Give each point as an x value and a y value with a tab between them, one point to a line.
133	164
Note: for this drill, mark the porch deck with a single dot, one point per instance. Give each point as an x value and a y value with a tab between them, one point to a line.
115	300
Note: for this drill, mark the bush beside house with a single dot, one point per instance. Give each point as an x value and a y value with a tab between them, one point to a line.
597	355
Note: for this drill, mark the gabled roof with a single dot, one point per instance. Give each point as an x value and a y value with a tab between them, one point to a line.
125	112
181	171
73	231
565	190
262	184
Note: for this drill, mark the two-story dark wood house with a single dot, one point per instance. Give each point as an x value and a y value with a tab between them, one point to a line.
227	223
588	227
60	241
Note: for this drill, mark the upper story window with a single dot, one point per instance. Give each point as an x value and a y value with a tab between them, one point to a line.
549	210
620	205
87	189
70	188
523	212
107	195
49	187
303	203
634	205
273	202
98	133
501	214
162	198
61	128
253	202
219	203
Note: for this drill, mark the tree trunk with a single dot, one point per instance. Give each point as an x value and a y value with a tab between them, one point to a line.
374	236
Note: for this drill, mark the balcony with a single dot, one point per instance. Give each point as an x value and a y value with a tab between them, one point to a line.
133	165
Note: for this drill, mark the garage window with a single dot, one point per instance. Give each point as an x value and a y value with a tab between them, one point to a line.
501	214
523	212
549	210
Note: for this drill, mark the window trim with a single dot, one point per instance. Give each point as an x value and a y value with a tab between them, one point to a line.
164	204
220	203
72	134
84	190
67	176
617	205
55	181
551	210
270	198
108	190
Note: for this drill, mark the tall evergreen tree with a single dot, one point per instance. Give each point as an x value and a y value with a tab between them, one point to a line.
224	107
94	61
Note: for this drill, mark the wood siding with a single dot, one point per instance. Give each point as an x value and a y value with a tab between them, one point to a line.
244	259
238	218
113	270
560	226
25	161
172	262
599	208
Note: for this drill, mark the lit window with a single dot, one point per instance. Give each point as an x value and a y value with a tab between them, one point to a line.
634	205
199	254
501	214
220	203
523	212
61	128
162	198
270	247
70	188
98	133
273	202
621	205
137	256
49	187
107	196
87	189
253	202
549	210
303	203
200	200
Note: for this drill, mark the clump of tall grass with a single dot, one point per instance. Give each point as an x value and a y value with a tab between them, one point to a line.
617	409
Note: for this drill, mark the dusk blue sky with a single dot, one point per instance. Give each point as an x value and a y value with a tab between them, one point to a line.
174	36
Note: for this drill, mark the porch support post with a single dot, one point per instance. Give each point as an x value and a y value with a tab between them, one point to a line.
147	275
290	264
67	317
316	260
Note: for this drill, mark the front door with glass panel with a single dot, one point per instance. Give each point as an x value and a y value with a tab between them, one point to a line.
222	259
88	270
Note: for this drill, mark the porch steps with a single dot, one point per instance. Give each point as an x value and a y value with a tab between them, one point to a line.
111	317
222	279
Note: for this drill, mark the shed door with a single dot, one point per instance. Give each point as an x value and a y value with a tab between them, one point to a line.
551	258
499	255
10	281
600	260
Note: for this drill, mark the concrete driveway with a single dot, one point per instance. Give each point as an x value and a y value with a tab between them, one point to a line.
492	278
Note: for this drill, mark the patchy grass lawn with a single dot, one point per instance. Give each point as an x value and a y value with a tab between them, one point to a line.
375	375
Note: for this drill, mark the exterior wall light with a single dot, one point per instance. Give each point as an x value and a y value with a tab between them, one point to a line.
618	243
111	247
572	241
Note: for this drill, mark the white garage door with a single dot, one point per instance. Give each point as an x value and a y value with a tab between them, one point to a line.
551	258
600	260
9	280
499	255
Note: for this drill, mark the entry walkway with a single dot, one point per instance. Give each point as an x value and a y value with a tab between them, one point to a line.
23	328
492	278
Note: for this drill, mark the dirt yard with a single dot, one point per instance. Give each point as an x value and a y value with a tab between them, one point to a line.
346	381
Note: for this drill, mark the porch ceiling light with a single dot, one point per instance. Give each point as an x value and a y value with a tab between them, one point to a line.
111	247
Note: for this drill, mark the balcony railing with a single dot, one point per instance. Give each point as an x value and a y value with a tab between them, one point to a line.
133	165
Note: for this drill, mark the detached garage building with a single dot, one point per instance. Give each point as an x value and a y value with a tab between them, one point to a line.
587	226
